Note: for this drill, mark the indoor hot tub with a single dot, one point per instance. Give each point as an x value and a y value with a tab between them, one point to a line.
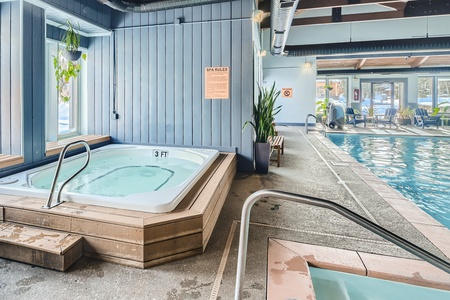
145	178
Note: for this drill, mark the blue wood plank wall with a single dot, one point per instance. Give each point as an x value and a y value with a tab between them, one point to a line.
89	10
160	78
156	84
33	82
56	34
10	94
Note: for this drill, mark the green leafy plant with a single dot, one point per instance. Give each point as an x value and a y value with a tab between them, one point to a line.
264	111
406	112
71	38
64	71
321	106
370	111
442	108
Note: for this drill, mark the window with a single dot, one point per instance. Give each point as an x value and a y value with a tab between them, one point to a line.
425	92
333	89
64	105
443	90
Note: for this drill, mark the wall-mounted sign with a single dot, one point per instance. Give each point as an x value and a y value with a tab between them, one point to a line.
217	83
286	92
356	95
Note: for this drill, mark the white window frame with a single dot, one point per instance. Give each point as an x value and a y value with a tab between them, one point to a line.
77	103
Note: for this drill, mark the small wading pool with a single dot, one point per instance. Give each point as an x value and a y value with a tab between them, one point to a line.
144	178
336	285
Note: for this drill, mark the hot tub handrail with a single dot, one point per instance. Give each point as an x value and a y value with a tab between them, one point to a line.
58	167
245	220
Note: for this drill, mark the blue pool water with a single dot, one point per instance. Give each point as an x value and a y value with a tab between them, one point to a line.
343	286
417	167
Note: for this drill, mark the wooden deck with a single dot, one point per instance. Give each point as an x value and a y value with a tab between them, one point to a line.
134	238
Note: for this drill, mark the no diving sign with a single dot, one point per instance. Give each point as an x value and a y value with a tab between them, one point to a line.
286	92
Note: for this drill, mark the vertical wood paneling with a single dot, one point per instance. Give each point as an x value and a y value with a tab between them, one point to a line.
187	80
226	61
112	131
197	75
178	77
95	104
144	81
247	89
170	79
106	86
120	84
96	12
216	53
136	79
91	88
161	75
128	99
153	78
236	85
206	62
27	32
5	76
38	74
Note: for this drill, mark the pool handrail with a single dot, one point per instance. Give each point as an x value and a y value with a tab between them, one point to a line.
58	167
245	220
317	121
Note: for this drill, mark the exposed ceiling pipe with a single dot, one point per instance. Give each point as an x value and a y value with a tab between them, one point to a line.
282	13
140	6
415	44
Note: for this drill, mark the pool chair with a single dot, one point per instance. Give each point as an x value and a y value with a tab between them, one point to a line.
423	119
354	118
387	118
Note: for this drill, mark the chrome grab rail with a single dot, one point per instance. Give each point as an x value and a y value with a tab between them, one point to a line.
306	123
245	219
58	167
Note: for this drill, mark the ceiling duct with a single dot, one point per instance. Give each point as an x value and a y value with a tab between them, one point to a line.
416	44
143	6
282	13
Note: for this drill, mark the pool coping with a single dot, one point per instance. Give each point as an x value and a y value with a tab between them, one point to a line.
288	262
434	231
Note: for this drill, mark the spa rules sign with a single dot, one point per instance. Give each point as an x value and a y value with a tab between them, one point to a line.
217	83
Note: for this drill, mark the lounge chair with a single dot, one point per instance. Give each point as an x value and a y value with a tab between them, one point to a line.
387	118
423	119
353	118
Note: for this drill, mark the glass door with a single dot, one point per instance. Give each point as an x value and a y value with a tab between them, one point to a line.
379	96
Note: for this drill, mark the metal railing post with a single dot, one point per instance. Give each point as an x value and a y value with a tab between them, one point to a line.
245	220
317	121
58	167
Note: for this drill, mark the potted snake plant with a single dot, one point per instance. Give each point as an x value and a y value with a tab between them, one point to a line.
264	111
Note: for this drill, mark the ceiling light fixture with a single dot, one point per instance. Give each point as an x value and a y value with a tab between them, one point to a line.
258	16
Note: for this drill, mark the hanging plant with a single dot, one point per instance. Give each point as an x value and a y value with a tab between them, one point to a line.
64	71
71	40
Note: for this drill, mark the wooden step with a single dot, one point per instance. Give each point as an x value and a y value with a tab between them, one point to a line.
41	247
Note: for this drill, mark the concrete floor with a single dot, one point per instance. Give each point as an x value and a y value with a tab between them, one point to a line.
212	275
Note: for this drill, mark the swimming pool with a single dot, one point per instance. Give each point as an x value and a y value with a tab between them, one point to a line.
418	167
144	178
336	285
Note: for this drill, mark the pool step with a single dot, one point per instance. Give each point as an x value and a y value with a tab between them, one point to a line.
45	248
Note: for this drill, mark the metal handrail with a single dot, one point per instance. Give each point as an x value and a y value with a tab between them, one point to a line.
245	219
306	123
58	167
